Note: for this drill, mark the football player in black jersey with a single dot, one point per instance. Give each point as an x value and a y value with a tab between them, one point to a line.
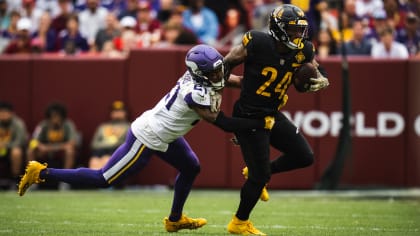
270	60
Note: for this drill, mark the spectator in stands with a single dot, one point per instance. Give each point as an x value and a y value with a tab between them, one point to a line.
54	139
261	13
176	16
174	32
4	24
379	24
45	39
70	41
14	5
201	21
359	44
79	5
128	39
92	19
329	19
413	6
350	10
232	30
60	21
366	8
313	9
394	13
50	6
346	33
11	32
13	140
388	47
325	44
108	33
165	10
410	34
109	50
148	27
22	42
29	10
130	10
115	6
4	15
109	135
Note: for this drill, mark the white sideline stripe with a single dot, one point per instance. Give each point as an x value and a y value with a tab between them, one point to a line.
123	162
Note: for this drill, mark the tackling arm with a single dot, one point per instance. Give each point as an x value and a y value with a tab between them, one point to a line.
232	124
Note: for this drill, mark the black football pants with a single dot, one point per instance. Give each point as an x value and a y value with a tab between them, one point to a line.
255	147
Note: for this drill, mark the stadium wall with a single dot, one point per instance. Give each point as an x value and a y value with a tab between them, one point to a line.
385	114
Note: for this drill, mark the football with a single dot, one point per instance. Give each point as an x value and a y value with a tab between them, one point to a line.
302	75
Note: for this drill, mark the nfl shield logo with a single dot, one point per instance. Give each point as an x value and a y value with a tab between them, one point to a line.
282	61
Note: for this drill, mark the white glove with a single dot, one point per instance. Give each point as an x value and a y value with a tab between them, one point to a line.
318	84
215	101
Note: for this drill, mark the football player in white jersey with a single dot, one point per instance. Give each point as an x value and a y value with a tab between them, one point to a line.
160	131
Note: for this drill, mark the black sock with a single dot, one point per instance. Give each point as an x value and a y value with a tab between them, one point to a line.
174	217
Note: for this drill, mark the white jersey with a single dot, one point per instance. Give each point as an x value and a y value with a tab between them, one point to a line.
172	117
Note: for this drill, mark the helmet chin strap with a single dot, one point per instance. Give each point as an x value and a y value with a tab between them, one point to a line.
295	44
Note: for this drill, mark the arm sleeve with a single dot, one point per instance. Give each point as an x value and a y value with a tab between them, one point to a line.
232	124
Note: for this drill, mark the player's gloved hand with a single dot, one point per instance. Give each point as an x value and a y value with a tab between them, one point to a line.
318	84
269	122
215	100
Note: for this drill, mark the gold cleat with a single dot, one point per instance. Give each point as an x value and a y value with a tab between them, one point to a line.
264	193
31	176
242	227
183	223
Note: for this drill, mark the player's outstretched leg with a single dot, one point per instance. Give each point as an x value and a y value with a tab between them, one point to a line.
242	227
264	193
31	176
183	223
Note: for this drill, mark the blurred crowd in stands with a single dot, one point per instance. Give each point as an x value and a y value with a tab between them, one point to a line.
56	139
379	28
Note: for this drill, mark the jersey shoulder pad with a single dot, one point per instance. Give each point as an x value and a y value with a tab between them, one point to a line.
199	96
257	42
253	37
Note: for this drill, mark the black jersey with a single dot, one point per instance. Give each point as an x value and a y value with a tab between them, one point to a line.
268	73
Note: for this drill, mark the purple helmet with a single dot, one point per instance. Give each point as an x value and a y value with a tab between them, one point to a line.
201	60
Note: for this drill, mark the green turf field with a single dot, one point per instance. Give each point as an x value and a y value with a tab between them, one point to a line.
140	212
